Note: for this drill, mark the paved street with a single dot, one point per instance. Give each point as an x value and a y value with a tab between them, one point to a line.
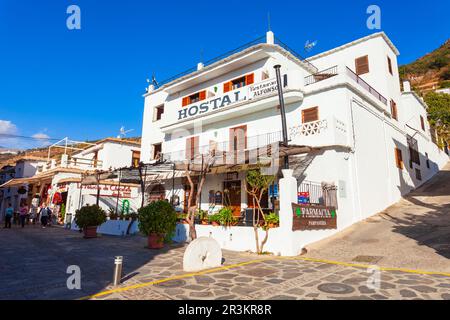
33	265
413	234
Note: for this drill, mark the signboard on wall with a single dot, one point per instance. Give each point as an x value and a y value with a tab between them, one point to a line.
312	217
254	91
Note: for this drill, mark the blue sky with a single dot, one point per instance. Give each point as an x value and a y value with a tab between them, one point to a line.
86	84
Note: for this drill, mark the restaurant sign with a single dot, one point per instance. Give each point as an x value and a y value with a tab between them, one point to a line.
313	217
252	92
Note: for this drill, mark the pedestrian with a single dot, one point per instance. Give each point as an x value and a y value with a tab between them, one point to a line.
8	216
43	213
23	213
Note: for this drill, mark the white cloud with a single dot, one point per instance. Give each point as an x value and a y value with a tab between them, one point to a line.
7	127
41	136
41	139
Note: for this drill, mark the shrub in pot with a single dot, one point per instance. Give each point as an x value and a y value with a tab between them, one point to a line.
271	220
215	220
88	218
203	217
157	221
226	217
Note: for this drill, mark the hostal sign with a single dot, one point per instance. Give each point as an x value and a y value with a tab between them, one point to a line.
253	92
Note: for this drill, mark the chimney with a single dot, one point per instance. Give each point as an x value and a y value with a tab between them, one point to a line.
200	66
406	86
270	37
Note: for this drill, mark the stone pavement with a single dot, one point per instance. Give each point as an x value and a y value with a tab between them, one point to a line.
413	234
33	264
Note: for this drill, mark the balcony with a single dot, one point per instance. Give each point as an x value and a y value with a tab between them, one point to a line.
227	152
337	71
366	86
322	133
329	132
71	163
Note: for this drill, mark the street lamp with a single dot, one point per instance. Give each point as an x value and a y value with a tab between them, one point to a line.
283	113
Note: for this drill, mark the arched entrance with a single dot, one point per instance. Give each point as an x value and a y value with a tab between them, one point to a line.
156	193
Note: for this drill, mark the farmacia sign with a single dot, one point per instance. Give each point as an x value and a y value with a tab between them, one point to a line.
253	92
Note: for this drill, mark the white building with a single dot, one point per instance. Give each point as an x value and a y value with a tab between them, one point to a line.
60	182
345	112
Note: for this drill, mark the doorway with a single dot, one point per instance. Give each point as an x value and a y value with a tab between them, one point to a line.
232	196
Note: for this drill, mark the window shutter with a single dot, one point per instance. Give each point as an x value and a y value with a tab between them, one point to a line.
310	115
202	95
250	79
186	101
227	87
362	65
422	123
394	110
399	158
389	65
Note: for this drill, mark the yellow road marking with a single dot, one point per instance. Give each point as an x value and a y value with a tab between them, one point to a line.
368	266
189	275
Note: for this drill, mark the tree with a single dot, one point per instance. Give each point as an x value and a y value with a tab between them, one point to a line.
256	186
207	161
439	113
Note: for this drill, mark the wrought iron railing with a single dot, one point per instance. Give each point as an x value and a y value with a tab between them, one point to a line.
321	75
366	86
318	193
225	149
231	52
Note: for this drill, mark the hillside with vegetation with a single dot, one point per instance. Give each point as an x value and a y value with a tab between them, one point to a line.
429	72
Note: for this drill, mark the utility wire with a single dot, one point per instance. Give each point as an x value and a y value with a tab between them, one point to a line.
7	135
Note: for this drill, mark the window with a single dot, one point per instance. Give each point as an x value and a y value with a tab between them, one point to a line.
238	138
390	65
265	75
413	151
157	150
239	83
418	175
422	123
394	110
399	158
428	160
362	65
135	159
196	97
159	111
192	147
310	115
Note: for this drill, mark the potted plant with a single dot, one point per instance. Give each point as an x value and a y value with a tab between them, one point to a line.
157	221
134	216
203	217
226	217
88	218
112	214
214	220
272	220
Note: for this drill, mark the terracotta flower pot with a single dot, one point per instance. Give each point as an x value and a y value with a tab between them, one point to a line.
90	232
184	222
156	241
205	222
215	224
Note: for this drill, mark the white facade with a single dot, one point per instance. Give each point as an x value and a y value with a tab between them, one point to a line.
353	140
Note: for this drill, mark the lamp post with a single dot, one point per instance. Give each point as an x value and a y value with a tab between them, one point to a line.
283	113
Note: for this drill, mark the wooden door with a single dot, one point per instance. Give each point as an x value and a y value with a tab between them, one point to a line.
232	196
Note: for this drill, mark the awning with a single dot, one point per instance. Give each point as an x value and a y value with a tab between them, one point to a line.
15	183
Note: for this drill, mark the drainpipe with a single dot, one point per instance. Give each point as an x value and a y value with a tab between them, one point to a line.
283	113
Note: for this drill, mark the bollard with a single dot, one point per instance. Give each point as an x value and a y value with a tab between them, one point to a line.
117	270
